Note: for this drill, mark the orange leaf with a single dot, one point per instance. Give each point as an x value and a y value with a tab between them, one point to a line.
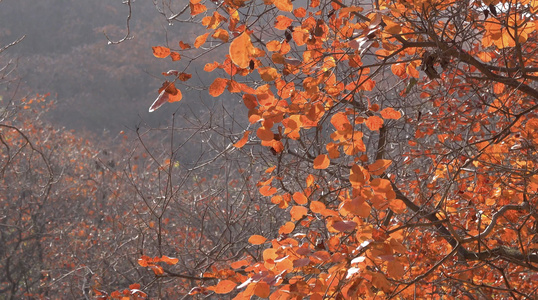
340	122
169	260
184	76
321	162
225	286
184	46
297	212
273	46
390	113
160	51
200	40
158	270
395	269
317	207
284	5
268	73
218	86
300	12
197	8
356	206
239	264
265	134
412	71
241	49
286	228
398	206
221	34
310	180
282	22
358	176
175	56
243	140
398	70
256	239
209	67
262	289
175	98
145	261
267	190
300	198
374	123
379	166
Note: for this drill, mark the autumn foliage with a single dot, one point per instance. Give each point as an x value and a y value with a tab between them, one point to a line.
353	151
400	140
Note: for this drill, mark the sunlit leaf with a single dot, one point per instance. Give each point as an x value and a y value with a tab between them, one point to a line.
379	166
322	161
262	289
200	40
300	198
374	123
256	239
267	190
169	260
297	212
283	5
241	50
390	113
218	86
286	228
225	286
282	22
243	140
